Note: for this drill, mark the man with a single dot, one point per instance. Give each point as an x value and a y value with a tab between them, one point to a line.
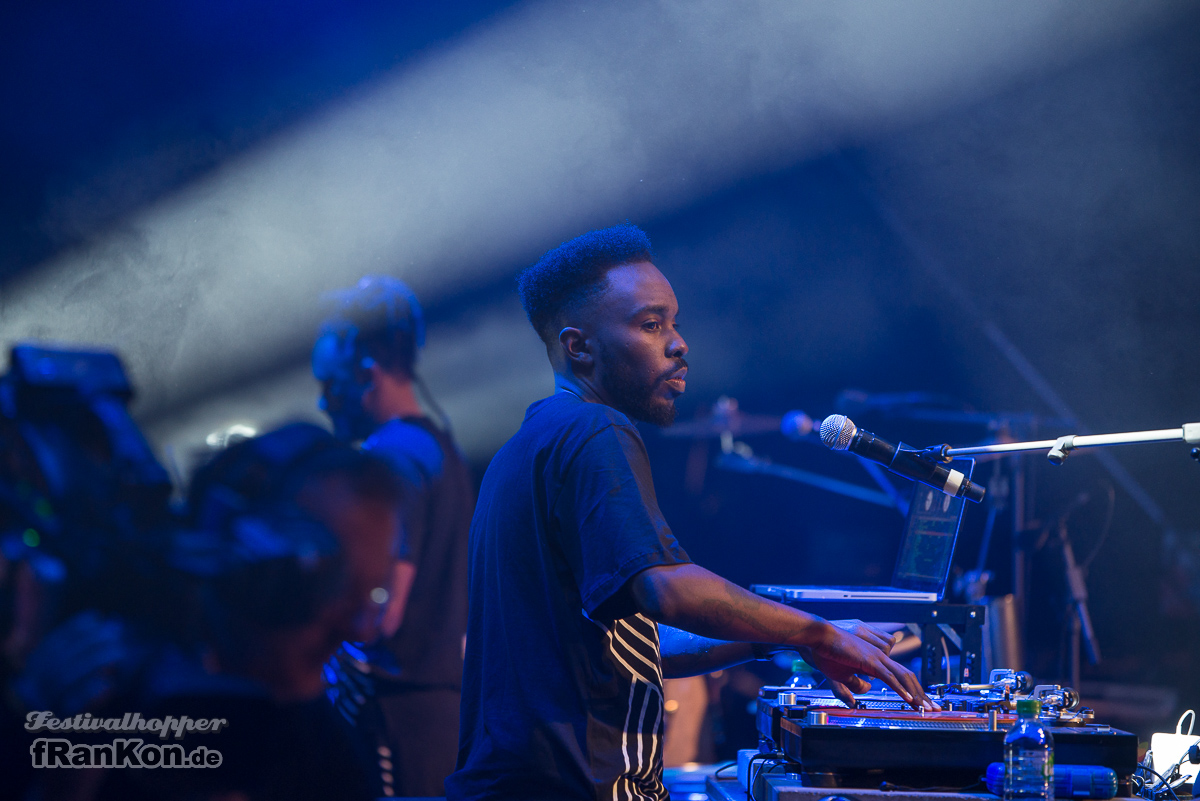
366	361
295	495
573	567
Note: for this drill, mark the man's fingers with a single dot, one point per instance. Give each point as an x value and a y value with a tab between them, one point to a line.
882	643
842	693
897	686
919	691
878	632
846	659
911	682
876	637
902	680
844	675
857	684
847	687
880	639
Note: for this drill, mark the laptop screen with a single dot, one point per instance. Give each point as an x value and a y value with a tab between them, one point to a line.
927	547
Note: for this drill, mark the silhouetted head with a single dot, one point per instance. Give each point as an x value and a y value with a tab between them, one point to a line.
376	328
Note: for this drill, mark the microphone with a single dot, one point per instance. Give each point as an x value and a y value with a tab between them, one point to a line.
839	433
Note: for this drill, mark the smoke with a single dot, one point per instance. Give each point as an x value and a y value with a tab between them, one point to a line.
482	370
1078	227
555	118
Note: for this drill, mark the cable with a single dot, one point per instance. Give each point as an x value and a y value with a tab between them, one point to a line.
1154	790
946	653
1184	757
423	388
727	766
752	777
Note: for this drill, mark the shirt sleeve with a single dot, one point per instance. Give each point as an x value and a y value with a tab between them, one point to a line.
609	523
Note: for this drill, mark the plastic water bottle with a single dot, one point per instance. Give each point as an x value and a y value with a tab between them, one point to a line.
1029	756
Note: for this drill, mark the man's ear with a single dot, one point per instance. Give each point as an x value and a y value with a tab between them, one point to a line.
372	370
576	348
376	372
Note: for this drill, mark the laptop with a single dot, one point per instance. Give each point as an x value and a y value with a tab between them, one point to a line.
923	564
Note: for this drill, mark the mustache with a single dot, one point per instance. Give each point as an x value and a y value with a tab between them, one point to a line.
680	364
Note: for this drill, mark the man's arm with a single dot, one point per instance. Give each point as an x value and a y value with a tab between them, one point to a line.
685	654
690	598
403	574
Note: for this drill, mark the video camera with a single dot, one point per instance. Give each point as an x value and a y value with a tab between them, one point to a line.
81	493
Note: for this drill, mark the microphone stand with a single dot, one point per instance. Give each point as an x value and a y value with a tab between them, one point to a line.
738	457
1082	633
1081	619
1059	449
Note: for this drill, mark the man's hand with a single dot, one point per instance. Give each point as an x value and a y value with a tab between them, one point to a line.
877	637
847	653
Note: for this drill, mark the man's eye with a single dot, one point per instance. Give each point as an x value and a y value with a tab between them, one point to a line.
651	325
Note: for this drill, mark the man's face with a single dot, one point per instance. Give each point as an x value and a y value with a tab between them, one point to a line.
342	401
366	530
637	347
345	383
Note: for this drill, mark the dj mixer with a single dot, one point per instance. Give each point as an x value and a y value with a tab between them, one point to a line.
883	741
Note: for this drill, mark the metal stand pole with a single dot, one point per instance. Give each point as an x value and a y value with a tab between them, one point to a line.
1059	449
1082	634
1019	564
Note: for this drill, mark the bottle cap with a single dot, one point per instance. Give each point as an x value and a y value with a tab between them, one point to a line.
1029	708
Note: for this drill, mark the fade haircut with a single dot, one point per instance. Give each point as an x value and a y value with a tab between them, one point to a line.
573	274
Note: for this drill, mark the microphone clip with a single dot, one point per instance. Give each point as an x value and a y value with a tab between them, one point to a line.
937	453
1061	450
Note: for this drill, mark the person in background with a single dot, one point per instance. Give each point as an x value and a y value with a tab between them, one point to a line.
289	536
410	679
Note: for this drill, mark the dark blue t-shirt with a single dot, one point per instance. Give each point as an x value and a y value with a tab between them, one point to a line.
426	651
562	687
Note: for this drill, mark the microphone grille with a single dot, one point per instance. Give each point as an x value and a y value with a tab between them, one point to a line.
837	431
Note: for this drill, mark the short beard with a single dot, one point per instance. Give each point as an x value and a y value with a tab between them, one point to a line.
636	401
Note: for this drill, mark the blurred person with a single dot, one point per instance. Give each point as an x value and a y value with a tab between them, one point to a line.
332	514
291	535
410	679
581	598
